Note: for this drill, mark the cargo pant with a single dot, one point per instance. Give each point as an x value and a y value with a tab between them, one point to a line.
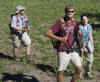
89	58
17	40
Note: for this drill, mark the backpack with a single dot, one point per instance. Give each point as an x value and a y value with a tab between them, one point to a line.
56	42
12	31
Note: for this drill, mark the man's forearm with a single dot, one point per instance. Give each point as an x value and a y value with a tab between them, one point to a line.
50	34
17	29
91	40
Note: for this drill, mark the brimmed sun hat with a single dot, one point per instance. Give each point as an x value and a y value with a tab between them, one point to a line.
19	8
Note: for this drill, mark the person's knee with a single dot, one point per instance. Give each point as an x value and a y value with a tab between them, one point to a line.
79	70
28	44
61	72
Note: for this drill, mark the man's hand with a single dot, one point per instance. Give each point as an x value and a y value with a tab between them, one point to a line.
25	30
63	39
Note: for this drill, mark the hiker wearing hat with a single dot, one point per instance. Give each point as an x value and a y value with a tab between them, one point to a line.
63	31
20	26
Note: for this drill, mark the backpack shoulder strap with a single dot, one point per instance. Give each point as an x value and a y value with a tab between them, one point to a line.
62	20
17	19
63	23
74	21
81	28
89	26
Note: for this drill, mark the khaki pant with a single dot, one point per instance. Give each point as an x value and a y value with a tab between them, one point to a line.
64	59
89	58
17	40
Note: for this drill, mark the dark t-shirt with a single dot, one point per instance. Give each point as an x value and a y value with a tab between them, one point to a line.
56	29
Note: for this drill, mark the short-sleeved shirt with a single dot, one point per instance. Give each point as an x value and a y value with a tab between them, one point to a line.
86	32
56	29
18	21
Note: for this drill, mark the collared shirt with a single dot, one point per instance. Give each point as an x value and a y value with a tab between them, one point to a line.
18	21
56	29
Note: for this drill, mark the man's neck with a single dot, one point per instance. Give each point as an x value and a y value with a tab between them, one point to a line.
68	18
20	14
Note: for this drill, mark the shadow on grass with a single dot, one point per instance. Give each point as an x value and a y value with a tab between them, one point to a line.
46	68
2	55
98	70
18	78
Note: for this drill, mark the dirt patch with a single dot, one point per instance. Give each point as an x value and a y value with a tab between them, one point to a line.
31	73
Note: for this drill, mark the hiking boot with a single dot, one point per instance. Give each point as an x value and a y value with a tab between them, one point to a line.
16	59
81	77
28	58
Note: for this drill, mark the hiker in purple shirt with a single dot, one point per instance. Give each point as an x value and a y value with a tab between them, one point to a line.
65	36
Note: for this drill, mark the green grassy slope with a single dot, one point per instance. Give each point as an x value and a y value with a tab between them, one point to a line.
42	14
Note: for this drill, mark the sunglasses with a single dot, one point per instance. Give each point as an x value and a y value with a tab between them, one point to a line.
70	11
22	10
